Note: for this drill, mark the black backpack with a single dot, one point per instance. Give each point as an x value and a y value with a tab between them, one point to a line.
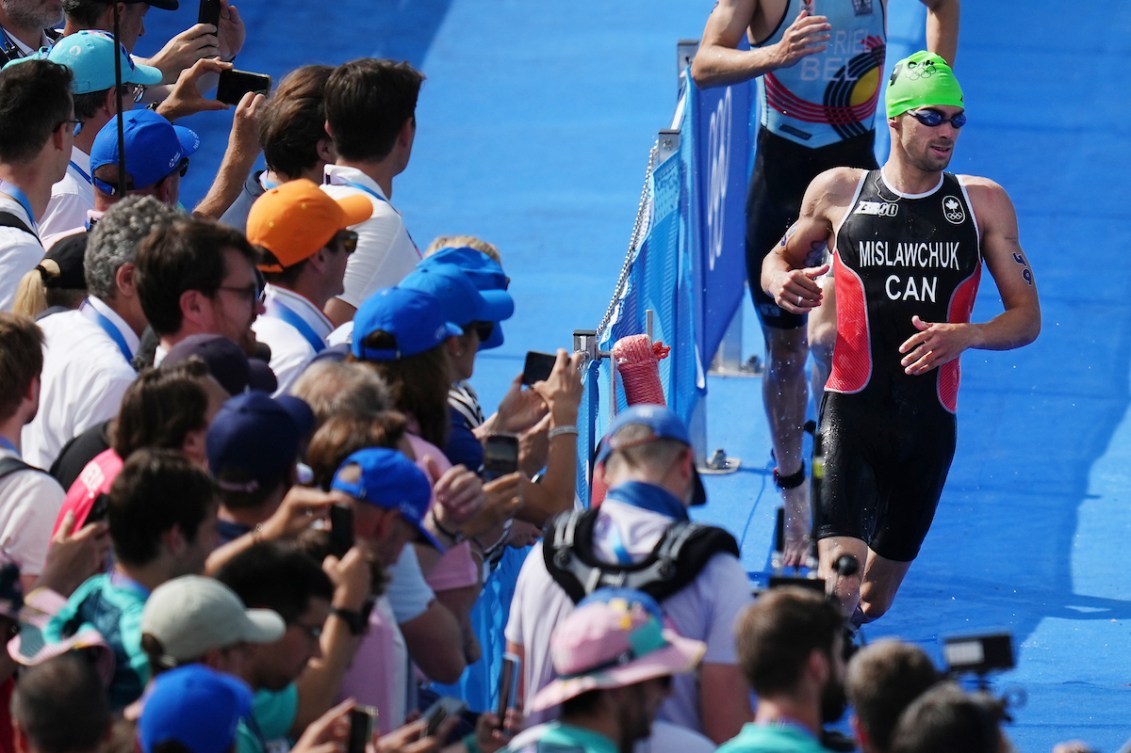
676	560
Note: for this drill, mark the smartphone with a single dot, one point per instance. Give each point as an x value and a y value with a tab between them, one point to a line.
341	530
508	686
209	12
98	510
234	84
500	456
444	707
361	728
537	367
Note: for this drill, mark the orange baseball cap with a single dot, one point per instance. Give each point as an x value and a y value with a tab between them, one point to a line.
294	220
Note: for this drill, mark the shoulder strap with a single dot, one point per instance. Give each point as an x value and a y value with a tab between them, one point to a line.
10	465
676	560
8	219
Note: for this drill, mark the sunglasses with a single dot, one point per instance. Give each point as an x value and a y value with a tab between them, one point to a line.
482	329
347	241
934	118
76	125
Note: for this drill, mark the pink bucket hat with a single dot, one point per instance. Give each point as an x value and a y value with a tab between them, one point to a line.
614	638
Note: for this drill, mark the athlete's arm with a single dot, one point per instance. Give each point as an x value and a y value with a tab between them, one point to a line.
719	61
788	273
942	28
939	342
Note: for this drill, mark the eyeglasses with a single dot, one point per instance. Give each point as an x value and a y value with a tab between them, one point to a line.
346	240
253	292
314	632
134	91
76	123
934	118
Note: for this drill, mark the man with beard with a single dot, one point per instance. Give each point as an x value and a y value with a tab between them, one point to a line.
908	244
791	649
615	662
198	277
27	25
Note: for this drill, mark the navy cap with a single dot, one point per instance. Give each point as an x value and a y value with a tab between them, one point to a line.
63	267
195	706
388	479
415	318
483	271
154	148
463	302
664	424
257	436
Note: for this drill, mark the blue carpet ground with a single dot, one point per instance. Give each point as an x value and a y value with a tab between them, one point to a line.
534	127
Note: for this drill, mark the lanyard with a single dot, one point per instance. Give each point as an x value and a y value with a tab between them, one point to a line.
7	445
648	497
108	327
21	198
279	310
82	172
379	197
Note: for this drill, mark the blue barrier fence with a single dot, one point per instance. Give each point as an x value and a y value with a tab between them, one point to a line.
685	260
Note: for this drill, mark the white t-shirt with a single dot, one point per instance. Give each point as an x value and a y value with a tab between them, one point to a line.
19	251
385	253
706	609
71	199
29	503
85	375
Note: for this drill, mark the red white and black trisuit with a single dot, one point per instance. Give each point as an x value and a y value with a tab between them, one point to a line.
887	438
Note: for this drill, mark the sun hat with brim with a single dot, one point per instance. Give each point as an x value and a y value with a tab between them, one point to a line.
614	638
30	647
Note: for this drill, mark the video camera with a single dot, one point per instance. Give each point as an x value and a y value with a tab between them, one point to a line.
980	656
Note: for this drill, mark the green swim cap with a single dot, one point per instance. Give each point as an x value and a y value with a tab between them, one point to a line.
921	80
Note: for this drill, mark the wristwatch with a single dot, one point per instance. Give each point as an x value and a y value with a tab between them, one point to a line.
354	620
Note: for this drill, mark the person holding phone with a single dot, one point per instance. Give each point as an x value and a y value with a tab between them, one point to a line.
818	66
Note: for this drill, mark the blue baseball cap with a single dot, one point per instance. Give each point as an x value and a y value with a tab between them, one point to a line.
195	706
664	424
254	439
415	318
387	479
90	56
462	301
154	148
483	271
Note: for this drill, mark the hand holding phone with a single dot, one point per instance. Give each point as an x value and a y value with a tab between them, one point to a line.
537	367
341	530
209	12
361	728
234	84
500	456
444	707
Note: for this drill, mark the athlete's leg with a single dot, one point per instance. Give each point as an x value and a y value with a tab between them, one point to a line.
844	588
785	397
882	578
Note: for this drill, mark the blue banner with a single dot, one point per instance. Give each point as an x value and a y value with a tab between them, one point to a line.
716	121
